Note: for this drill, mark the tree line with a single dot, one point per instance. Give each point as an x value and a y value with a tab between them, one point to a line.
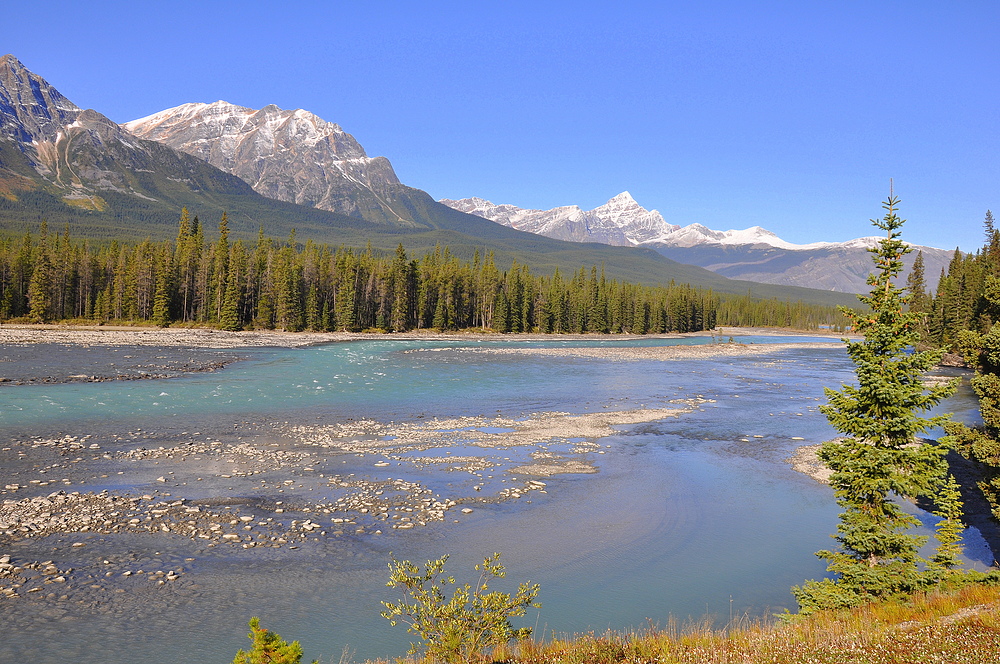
963	315
286	285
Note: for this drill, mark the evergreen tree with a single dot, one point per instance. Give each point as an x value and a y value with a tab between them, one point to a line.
982	443
919	300
948	532
399	284
39	288
879	457
220	269
268	648
161	301
229	317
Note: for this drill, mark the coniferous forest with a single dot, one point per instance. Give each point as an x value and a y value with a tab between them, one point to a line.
287	285
964	316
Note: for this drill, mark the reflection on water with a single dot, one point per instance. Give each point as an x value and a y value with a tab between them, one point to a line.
687	515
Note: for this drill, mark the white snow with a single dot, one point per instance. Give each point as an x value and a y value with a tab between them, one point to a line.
623	217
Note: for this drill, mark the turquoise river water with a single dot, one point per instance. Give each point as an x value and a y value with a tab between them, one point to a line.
689	515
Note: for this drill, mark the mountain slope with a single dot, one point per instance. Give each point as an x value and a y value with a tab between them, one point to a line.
753	254
70	165
292	156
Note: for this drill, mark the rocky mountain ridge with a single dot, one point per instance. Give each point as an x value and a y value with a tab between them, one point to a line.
52	149
288	155
752	254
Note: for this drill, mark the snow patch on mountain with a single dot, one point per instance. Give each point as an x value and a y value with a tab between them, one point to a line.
622	221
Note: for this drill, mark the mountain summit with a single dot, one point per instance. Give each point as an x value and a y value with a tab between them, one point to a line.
620	222
293	156
30	108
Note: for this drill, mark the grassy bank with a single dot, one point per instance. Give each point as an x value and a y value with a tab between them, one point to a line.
961	627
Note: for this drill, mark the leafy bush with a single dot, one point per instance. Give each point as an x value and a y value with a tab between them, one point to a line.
456	630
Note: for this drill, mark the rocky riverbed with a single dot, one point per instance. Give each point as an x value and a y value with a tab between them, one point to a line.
32	354
267	487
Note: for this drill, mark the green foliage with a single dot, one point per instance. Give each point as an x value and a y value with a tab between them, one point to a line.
456	629
40	286
879	457
978	341
268	648
290	286
948	532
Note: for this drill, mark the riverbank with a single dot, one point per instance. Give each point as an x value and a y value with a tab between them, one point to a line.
19	334
956	626
48	354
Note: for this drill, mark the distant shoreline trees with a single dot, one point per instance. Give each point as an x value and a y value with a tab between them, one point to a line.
286	285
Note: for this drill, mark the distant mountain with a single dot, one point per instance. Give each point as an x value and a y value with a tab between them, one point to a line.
753	254
620	222
292	156
77	168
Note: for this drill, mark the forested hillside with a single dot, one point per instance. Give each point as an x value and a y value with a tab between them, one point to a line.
283	284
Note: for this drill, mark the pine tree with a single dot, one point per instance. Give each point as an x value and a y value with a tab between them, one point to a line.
229	317
39	288
220	269
879	457
161	300
399	283
919	300
982	443
948	532
268	648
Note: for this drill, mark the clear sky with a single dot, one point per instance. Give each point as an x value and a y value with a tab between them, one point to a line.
788	115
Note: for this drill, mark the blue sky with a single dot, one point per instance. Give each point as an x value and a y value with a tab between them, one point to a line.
788	115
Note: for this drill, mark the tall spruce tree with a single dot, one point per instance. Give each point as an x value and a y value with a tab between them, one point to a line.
879	457
39	288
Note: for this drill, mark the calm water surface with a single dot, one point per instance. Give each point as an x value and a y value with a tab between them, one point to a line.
687	516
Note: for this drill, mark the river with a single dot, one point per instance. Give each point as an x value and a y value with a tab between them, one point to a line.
632	489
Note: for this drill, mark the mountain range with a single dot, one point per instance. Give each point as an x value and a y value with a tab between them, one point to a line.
272	170
752	254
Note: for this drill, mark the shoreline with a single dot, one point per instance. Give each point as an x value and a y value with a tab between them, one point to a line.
54	354
18	334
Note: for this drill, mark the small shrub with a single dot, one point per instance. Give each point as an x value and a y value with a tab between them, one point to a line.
458	629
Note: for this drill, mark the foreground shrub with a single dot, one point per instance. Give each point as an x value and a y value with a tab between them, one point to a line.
458	629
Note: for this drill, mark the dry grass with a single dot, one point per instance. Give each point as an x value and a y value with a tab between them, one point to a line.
961	627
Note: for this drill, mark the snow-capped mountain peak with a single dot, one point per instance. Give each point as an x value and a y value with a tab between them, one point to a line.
621	221
291	155
754	253
697	234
